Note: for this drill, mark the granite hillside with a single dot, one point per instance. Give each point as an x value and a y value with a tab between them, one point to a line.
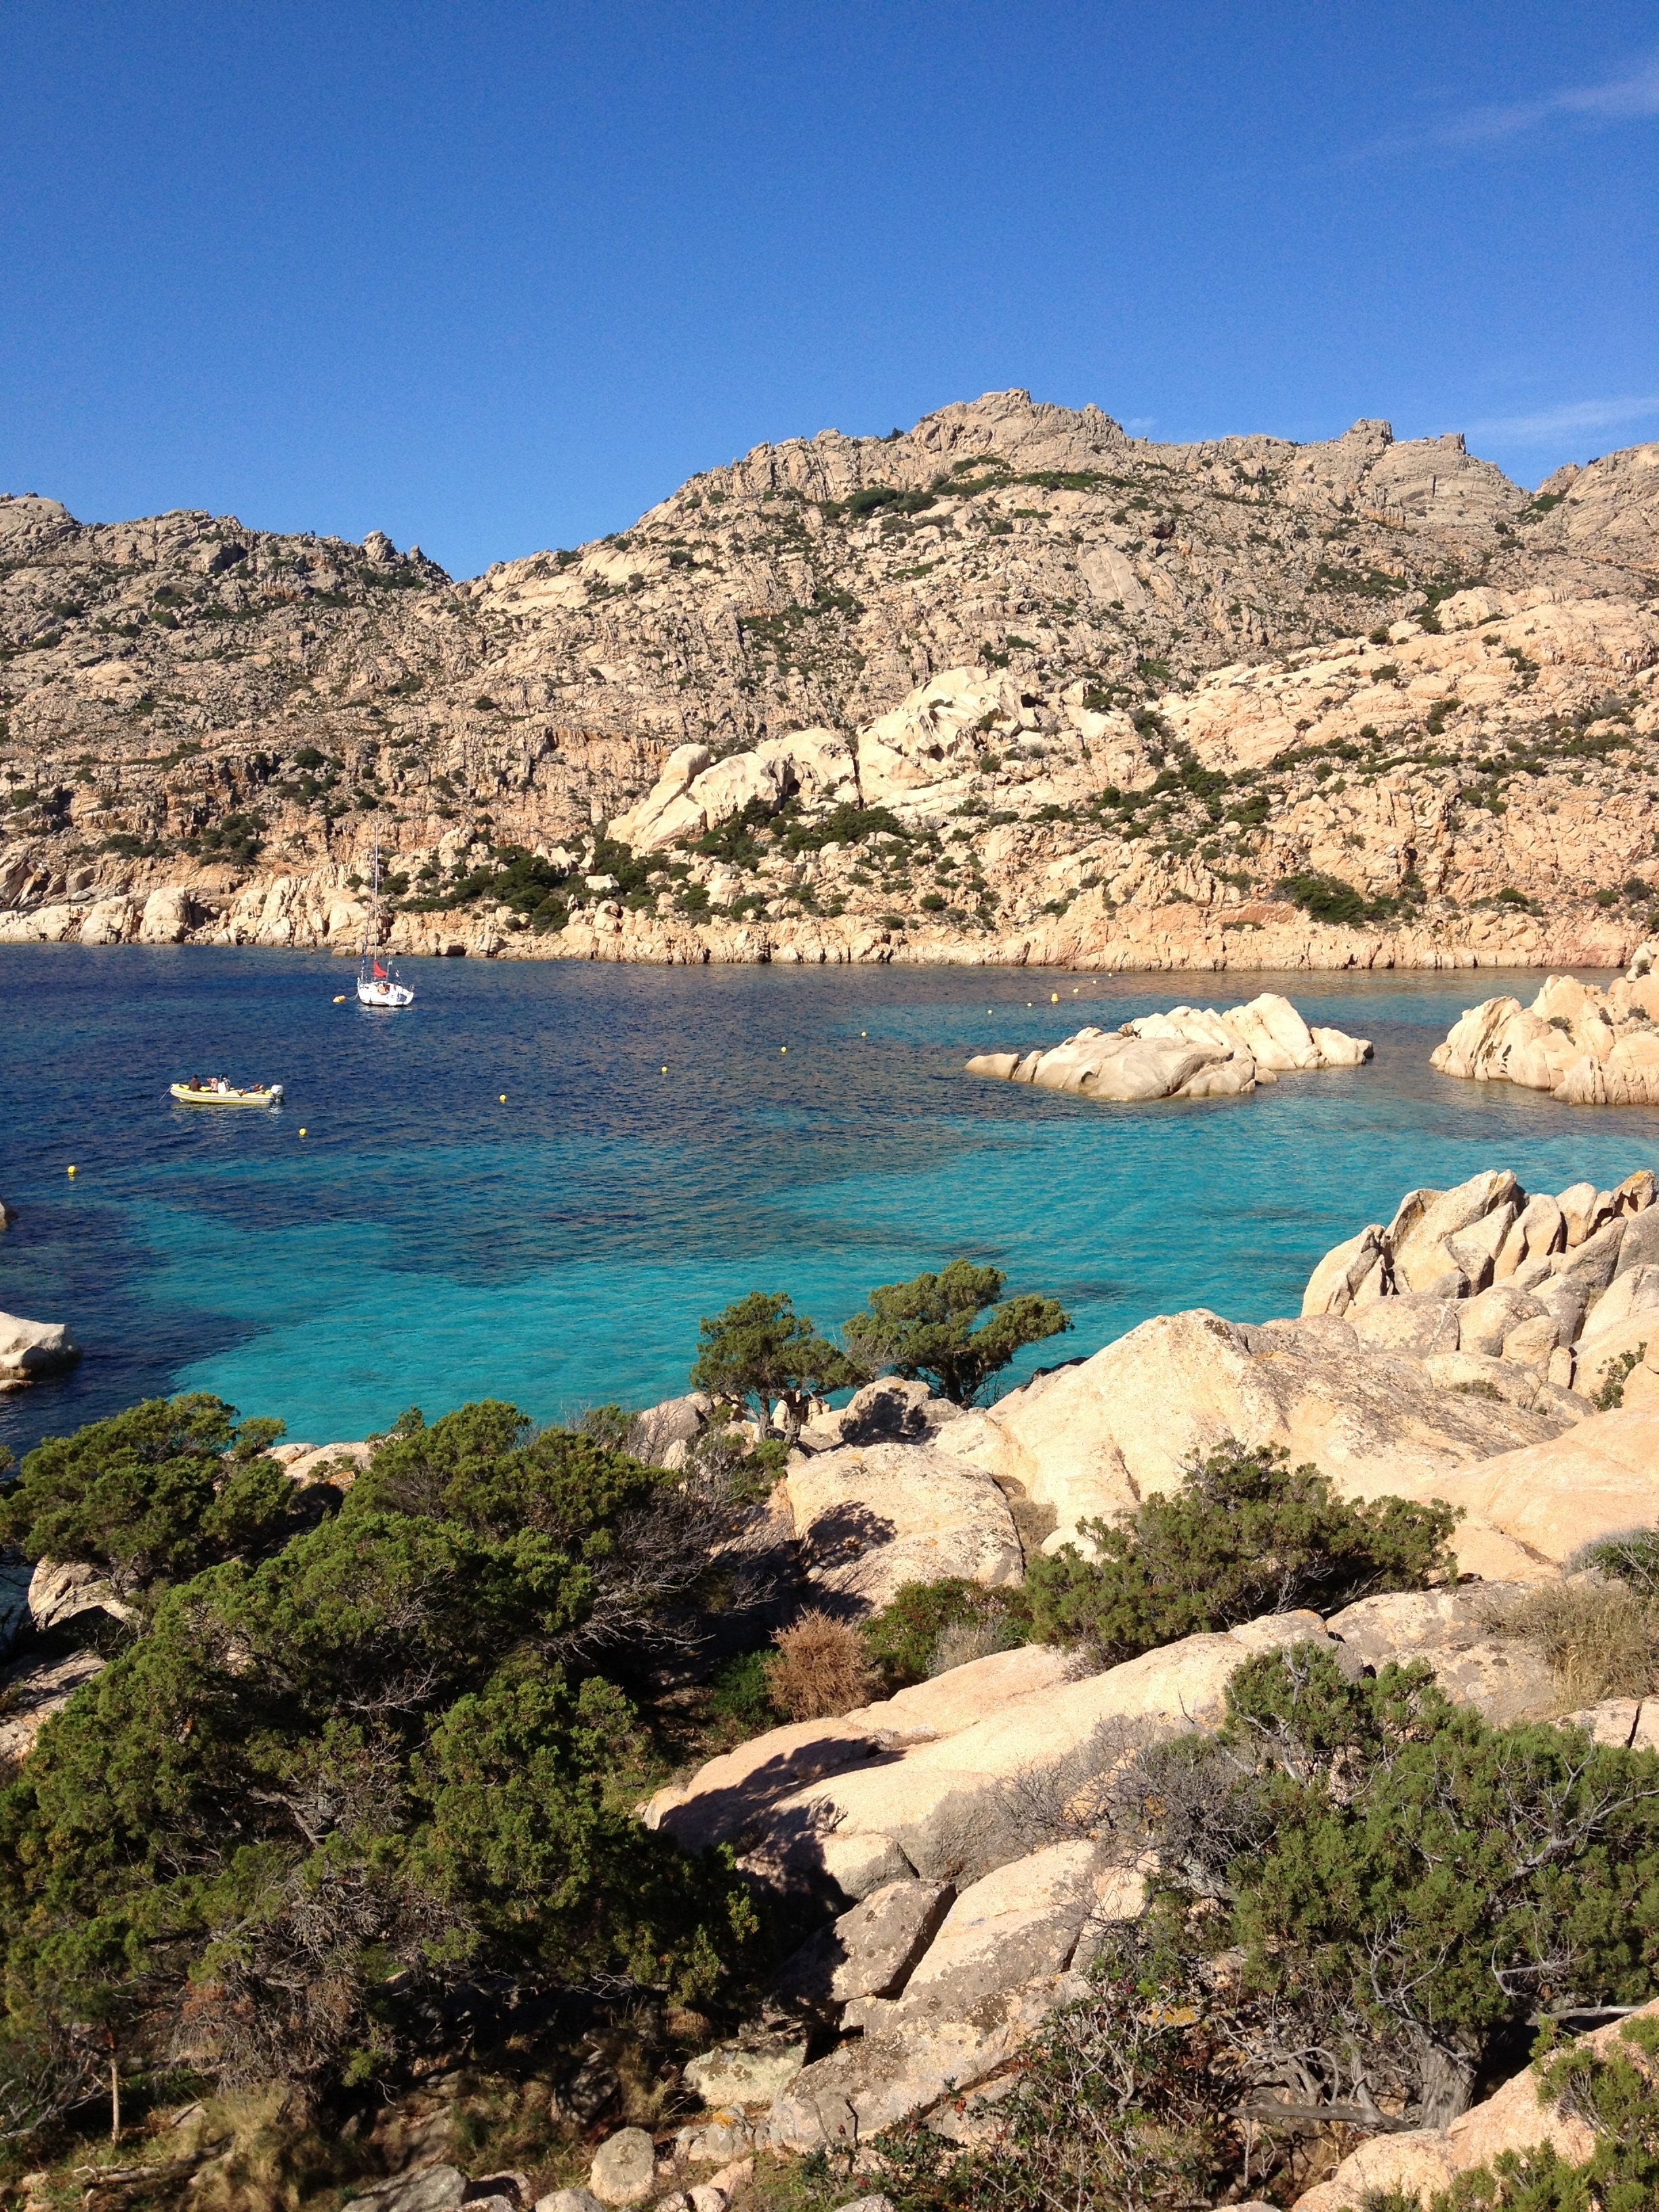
1009	685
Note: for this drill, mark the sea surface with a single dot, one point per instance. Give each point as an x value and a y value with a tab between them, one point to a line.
532	1184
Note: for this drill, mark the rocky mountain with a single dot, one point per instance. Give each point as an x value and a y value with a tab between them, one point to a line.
1009	685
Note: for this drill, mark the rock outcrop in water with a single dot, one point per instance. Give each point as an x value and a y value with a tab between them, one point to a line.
1184	1053
1123	705
1583	1045
31	1349
1499	1292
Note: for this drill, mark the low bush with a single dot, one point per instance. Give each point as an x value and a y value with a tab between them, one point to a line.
821	1667
154	1495
905	1638
1247	1533
1365	1898
325	1786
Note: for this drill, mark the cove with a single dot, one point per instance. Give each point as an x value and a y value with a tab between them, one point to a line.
425	1243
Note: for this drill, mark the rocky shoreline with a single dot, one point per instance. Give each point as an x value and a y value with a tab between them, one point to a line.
320	912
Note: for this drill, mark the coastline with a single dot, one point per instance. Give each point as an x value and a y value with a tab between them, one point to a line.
313	915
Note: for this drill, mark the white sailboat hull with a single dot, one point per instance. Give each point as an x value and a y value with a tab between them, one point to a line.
371	994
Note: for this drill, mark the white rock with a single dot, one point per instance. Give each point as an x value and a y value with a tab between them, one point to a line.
30	1348
746	2074
624	2169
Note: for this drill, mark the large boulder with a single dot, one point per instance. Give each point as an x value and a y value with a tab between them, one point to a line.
1458	1633
31	1349
869	1952
1582	1044
1187	1052
1095	1437
1554	1286
871	1518
1595	1480
919	1788
999	1964
1125	1069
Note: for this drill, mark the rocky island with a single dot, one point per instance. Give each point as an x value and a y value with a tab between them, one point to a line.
1184	1053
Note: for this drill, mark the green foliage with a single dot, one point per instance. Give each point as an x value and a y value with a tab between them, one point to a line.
1247	1535
154	1495
1633	1557
903	1635
845	824
760	1352
925	1328
329	1784
1617	1372
1413	1881
1615	2097
879	499
741	1694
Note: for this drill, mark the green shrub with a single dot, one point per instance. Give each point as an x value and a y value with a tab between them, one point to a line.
741	1693
1615	2096
1419	1881
759	1353
154	1495
327	1788
1247	1535
904	1636
924	1328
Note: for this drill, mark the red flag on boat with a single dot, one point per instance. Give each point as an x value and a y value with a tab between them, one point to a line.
379	973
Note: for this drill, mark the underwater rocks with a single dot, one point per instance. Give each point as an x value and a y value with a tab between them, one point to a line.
1185	1053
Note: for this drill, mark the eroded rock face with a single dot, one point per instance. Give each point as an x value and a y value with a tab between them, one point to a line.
1557	1289
1587	1046
815	614
1094	1438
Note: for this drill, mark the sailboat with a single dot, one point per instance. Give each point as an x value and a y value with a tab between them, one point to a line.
377	982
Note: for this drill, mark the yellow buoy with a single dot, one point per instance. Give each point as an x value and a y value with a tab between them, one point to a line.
340	1001
665	1071
783	1048
302	1133
1053	997
71	1171
503	1101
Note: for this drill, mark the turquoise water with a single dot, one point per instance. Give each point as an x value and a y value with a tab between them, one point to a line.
424	1243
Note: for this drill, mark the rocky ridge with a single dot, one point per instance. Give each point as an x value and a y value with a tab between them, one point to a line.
1509	1296
1107	702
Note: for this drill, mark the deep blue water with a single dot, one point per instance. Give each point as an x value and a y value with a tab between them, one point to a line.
424	1242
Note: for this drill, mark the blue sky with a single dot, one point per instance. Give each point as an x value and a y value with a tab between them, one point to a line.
492	277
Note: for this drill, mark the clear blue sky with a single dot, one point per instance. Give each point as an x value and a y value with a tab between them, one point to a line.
493	277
